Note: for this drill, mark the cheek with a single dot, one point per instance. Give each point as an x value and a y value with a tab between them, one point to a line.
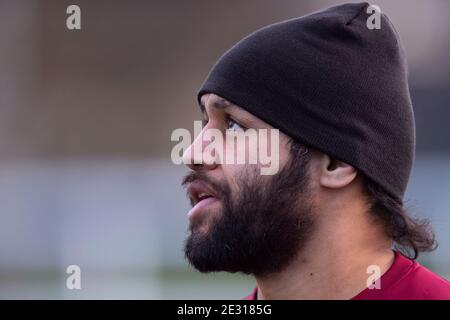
231	174
259	147
263	151
245	176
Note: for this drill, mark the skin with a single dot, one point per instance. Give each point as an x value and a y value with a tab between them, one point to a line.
346	240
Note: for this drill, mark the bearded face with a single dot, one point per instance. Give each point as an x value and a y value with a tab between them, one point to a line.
255	225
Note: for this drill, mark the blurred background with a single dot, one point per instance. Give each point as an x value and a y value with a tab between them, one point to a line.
85	123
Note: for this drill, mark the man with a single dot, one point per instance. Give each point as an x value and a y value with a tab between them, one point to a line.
323	226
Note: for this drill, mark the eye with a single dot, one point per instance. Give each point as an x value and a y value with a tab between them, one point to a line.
233	125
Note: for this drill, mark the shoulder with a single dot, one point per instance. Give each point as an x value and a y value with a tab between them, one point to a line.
407	279
425	284
416	282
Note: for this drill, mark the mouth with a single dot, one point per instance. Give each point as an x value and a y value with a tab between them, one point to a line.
201	197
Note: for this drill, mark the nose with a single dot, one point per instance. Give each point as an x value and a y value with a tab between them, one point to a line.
193	156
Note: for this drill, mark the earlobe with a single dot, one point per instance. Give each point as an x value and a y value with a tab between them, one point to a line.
335	173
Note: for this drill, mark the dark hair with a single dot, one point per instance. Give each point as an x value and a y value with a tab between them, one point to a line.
410	235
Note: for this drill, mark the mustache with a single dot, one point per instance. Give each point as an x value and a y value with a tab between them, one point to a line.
193	176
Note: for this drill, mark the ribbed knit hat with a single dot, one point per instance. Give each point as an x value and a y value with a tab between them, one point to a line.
327	80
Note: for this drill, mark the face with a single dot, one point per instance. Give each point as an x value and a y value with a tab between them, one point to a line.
242	221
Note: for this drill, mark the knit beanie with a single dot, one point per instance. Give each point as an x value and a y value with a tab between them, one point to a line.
330	82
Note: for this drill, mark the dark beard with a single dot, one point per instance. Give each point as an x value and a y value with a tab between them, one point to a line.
261	230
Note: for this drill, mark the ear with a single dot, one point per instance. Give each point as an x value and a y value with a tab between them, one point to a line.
335	173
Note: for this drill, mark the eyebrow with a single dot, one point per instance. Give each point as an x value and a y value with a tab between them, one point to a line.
219	104
222	104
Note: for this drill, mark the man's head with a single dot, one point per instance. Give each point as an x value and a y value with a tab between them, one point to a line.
338	93
252	223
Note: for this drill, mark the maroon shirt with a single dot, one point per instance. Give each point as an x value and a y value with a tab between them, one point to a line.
404	280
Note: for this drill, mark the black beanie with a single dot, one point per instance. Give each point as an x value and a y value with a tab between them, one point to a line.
330	82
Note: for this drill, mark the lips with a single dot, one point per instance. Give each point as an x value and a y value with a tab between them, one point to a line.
201	197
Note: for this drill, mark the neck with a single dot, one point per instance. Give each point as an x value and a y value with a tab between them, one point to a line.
333	264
